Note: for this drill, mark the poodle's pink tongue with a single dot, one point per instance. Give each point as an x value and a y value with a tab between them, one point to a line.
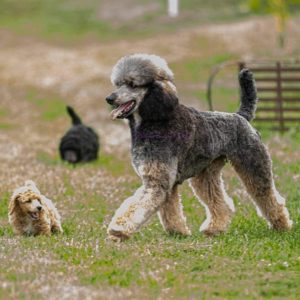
122	109
116	112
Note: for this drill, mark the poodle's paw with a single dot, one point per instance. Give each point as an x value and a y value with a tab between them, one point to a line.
283	223
120	228
213	228
117	236
209	232
57	229
216	225
186	232
182	232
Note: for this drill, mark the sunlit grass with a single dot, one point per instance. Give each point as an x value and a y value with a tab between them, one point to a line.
232	265
72	20
250	261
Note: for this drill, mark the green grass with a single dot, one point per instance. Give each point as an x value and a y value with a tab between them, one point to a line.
4	123
3	112
72	20
51	107
195	70
3	205
112	164
64	18
249	261
5	126
49	160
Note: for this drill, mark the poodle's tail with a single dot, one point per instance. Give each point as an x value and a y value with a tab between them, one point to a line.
75	118
248	95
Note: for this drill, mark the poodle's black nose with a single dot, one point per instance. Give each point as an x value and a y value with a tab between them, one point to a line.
39	208
111	98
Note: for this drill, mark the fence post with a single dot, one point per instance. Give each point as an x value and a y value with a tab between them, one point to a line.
173	8
279	97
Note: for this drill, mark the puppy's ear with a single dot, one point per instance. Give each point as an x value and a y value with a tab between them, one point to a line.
158	103
13	204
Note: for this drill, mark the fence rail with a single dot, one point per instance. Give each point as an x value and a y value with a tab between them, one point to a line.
282	92
278	85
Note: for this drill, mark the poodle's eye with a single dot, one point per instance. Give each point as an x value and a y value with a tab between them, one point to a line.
131	84
28	201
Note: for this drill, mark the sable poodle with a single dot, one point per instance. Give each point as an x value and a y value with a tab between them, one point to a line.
80	143
31	213
172	143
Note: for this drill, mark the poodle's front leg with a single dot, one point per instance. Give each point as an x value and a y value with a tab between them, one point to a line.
56	227
135	211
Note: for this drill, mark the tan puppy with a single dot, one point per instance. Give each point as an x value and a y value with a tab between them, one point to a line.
31	213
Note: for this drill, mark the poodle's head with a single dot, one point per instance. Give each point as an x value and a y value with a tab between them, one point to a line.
144	85
27	203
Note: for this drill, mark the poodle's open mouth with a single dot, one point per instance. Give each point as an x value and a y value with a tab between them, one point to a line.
34	215
123	110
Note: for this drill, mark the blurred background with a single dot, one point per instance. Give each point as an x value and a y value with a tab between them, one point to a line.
55	53
58	52
68	47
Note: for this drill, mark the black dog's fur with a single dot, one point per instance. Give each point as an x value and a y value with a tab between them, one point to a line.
80	143
158	104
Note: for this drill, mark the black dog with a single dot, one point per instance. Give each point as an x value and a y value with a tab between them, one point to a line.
80	143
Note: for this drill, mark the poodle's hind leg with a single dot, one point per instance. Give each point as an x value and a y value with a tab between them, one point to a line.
171	214
254	167
209	189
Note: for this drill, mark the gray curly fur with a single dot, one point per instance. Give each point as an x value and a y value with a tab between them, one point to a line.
248	95
172	142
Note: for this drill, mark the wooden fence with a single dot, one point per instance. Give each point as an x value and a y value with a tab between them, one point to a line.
278	86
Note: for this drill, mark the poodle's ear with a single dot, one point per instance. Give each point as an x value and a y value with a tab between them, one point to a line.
158	103
13	204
